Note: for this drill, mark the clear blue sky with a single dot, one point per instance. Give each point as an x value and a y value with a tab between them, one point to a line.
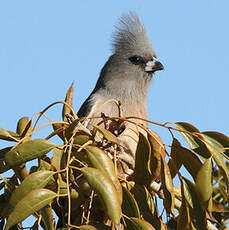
45	45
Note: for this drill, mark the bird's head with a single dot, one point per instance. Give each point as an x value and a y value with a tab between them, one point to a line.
129	70
132	48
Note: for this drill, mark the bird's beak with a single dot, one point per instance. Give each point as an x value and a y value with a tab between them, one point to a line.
153	65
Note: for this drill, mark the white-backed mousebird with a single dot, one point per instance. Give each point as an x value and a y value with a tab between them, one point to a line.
125	77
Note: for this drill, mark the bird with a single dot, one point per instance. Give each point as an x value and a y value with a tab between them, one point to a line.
125	78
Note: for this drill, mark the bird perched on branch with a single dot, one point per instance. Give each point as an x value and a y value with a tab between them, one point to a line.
125	78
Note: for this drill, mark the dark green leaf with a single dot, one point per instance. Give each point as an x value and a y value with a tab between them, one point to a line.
48	217
129	205
188	158
191	138
175	162
167	186
157	150
4	151
184	213
220	140
3	165
198	215
142	170
217	150
144	199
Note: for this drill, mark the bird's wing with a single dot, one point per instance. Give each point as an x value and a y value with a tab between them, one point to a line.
85	108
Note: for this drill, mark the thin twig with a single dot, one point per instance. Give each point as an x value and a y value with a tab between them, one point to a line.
89	207
67	181
49	106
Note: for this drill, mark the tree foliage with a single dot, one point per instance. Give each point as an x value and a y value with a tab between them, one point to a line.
77	185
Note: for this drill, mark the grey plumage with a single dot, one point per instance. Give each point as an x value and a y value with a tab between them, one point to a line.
130	37
125	77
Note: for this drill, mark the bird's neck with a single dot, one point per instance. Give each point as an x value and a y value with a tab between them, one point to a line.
133	99
128	92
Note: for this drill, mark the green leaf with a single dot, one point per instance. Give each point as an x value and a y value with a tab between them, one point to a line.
34	181
56	159
3	165
217	150
142	170
187	186
157	150
198	215
84	187
31	203
144	199
44	165
87	227
188	158
167	186
184	213
8	135
106	190
4	151
70	130
23	126
81	137
68	99
175	162
101	226
80	133
139	224
192	140
63	189
48	217
100	160
106	134
219	140
129	205
59	129
27	151
204	182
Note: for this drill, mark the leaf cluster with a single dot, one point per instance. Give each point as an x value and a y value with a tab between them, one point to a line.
77	185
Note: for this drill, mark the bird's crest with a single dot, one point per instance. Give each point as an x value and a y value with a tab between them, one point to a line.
130	36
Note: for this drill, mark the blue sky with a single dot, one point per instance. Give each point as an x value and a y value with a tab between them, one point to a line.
45	45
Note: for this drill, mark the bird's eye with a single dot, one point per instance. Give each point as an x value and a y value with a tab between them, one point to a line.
137	60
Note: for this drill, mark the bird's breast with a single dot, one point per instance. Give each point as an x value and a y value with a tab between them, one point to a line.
120	107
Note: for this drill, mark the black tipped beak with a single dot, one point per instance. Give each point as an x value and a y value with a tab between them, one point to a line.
153	65
158	66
